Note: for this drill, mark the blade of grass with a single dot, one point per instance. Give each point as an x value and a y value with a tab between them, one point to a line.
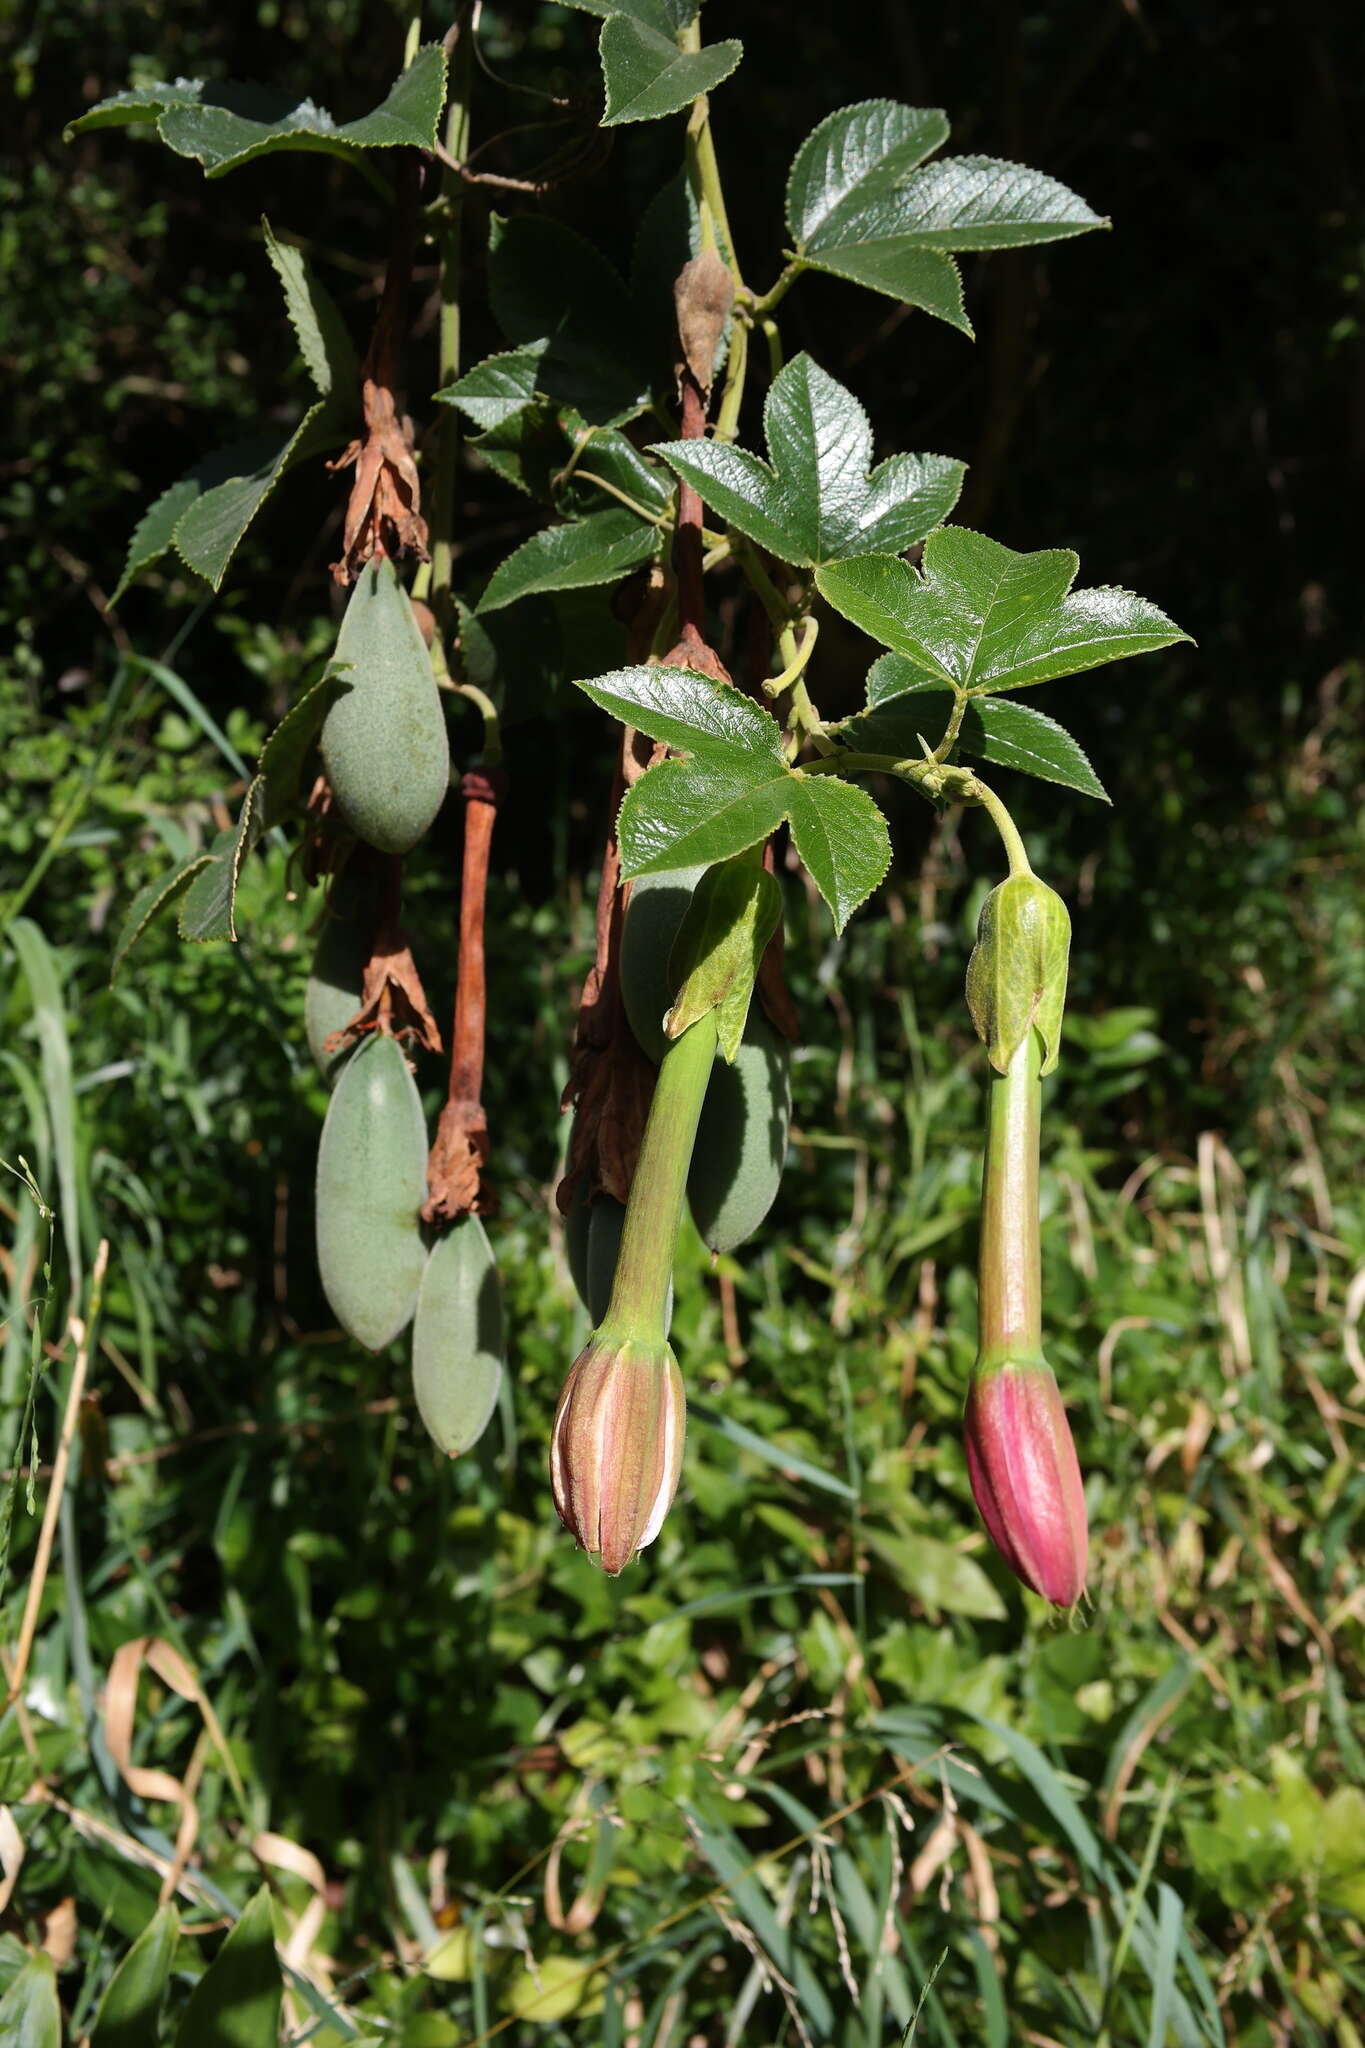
49	1013
783	1461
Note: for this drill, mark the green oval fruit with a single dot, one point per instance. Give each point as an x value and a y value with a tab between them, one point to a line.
606	1221
592	1239
657	906
576	1227
741	1143
384	742
372	1180
457	1340
332	996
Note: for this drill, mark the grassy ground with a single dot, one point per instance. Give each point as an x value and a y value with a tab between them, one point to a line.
814	1765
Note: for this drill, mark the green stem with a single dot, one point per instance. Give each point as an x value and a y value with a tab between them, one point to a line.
846	762
796	656
1011	1275
761	583
448	331
736	364
1004	825
703	171
589	476
945	745
649	1240
774	341
761	308
492	724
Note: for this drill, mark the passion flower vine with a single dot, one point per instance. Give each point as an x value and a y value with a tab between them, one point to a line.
618	1435
1020	1456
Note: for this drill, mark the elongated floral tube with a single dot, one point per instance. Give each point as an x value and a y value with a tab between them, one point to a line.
616	1450
1020	1457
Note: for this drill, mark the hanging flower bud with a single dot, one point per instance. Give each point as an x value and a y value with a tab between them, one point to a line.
1020	1457
1025	1478
617	1446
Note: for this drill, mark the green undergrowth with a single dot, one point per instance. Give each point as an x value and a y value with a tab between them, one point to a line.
814	1764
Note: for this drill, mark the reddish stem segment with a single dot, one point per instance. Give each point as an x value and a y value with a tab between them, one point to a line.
461	1145
687	541
481	791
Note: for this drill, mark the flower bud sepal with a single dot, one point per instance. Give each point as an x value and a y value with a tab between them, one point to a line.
616	1450
1025	1477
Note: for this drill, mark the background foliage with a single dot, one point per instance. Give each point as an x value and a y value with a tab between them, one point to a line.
417	1680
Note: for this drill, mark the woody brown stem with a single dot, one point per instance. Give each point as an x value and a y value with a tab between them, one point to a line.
461	1143
383	515
481	792
687	541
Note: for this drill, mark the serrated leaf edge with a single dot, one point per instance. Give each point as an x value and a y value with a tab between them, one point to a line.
179	879
856	107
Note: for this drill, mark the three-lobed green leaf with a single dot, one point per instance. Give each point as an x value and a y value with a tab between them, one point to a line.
733	787
862	205
994	729
980	617
818	499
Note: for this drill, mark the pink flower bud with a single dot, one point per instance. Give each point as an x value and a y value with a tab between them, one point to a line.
1024	1474
617	1446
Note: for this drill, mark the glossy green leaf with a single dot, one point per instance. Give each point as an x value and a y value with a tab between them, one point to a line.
604	455
208	910
980	202
209	531
841	836
985	618
669	234
733	788
205	515
553	291
647	76
857	157
841	201
324	342
30	2015
496	389
208	881
666	17
154	896
599	549
155	530
818	499
130	2011
998	730
527	450
236	2003
862	205
224	126
286	750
